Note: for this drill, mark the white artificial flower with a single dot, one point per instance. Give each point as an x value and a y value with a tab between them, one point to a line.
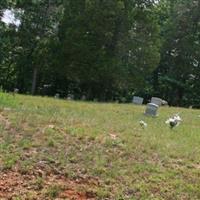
174	121
143	124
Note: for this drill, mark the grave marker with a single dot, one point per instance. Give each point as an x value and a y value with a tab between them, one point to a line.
156	101
151	109
138	100
57	96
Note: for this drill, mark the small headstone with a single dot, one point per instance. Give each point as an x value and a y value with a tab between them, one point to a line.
83	98
70	97
15	91
57	96
151	109
138	100
156	101
164	103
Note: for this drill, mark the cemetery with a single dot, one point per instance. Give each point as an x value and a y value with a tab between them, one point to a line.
67	145
100	100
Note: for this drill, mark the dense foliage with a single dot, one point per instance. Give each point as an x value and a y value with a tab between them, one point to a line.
105	50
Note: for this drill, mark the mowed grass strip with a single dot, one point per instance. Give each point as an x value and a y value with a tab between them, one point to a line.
100	147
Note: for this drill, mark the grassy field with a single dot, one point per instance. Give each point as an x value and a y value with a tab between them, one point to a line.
56	149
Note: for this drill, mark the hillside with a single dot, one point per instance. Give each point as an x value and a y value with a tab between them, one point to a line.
56	149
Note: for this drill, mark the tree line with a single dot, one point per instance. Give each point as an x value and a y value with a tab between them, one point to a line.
103	49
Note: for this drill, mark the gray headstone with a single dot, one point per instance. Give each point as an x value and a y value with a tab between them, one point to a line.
83	98
164	103
138	100
16	90
156	101
57	96
151	109
70	97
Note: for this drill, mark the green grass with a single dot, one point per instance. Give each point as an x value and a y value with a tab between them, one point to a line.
53	191
77	139
7	100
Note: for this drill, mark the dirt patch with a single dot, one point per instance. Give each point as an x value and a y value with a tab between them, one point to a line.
14	184
73	194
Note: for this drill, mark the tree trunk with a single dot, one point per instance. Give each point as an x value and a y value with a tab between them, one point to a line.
34	81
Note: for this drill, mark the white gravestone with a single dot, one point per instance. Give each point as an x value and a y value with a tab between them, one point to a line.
57	96
156	101
151	109
70	97
138	100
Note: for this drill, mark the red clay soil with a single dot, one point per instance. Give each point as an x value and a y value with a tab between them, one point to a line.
73	195
13	184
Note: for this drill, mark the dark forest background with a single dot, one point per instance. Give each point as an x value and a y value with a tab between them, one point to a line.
106	50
